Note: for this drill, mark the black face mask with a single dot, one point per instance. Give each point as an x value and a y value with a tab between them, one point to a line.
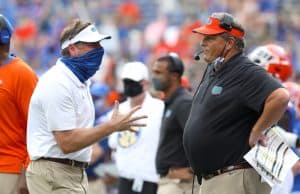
132	88
158	85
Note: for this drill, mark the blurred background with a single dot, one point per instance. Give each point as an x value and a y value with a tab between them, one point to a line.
143	30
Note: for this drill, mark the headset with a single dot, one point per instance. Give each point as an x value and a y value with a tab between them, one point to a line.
178	66
226	23
6	30
197	56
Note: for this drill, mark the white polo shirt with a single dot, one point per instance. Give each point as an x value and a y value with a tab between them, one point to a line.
135	152
59	102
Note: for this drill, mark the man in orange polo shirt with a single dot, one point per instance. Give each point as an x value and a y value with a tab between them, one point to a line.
17	81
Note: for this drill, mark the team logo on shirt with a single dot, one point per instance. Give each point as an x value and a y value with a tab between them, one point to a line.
216	90
128	138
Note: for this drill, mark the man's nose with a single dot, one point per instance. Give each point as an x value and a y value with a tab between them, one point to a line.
203	44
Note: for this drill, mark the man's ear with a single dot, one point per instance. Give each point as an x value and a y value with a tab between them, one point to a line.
177	76
145	83
72	50
230	43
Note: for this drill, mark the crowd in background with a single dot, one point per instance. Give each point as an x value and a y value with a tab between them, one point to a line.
142	30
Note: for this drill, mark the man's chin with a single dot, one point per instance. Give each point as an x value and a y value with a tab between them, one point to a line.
207	60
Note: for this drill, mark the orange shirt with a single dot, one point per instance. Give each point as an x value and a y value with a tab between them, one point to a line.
17	82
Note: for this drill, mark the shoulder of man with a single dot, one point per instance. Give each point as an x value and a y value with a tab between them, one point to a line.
22	67
185	95
155	100
248	68
183	99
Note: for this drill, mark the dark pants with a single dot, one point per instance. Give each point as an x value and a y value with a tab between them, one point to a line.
125	187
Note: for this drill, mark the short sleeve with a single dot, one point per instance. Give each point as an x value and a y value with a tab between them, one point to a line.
256	87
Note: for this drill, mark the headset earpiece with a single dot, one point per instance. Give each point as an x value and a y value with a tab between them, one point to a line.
178	64
226	23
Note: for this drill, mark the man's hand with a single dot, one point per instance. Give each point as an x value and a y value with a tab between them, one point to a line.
21	185
180	173
274	107
256	137
296	168
126	121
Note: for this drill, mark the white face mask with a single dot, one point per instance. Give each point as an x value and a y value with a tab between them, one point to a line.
217	63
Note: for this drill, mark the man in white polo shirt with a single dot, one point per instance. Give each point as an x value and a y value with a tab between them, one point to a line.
61	115
136	151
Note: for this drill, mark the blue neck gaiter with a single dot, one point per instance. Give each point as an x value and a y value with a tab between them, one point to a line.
86	65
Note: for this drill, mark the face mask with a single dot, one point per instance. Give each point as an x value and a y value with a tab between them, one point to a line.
218	64
132	88
86	65
158	85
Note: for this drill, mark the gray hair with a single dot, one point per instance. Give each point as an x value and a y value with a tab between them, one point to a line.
239	42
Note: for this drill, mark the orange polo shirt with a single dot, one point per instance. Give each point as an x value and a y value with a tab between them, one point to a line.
17	82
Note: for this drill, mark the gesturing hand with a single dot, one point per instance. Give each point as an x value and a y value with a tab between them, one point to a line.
126	121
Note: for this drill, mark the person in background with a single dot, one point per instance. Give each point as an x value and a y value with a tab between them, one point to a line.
99	91
186	83
135	151
17	82
171	162
61	115
276	61
234	103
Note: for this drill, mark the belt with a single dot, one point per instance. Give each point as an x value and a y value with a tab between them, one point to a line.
212	174
67	161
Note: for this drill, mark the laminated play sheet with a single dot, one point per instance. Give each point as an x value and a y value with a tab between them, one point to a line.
273	161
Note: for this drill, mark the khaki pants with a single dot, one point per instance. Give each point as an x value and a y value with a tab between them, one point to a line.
176	186
46	177
97	187
8	183
244	181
